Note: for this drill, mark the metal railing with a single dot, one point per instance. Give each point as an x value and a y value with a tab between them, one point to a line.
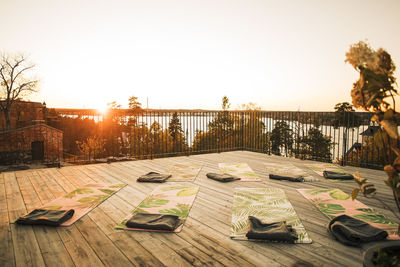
346	138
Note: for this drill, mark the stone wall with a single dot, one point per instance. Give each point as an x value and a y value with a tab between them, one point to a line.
16	145
23	113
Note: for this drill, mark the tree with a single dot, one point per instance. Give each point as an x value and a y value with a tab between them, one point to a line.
112	128
14	82
281	136
134	104
175	127
222	125
345	117
344	107
249	106
315	146
92	146
76	129
223	122
176	132
225	103
136	108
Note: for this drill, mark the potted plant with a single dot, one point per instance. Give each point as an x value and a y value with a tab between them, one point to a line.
374	92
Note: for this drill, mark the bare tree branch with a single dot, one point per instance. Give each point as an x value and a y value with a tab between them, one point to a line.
13	82
21	71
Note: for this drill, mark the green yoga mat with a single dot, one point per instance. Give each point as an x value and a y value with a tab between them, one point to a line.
183	172
267	204
319	168
241	170
334	202
83	199
171	198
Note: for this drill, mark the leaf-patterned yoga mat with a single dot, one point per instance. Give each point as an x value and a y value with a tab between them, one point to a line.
321	167
335	202
289	170
241	170
175	199
269	205
83	199
184	172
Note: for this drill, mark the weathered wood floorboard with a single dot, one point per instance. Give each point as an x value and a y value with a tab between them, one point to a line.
204	240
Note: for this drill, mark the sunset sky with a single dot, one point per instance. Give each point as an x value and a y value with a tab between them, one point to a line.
282	55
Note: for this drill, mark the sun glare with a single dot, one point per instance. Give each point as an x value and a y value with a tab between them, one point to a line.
103	109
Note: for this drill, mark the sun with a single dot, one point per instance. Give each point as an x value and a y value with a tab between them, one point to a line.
102	109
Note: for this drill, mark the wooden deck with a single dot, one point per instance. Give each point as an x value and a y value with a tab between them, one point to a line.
204	240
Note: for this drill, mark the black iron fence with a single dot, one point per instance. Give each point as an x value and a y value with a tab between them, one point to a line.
346	138
342	137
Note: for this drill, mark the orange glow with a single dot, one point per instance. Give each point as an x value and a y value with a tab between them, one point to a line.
281	55
103	109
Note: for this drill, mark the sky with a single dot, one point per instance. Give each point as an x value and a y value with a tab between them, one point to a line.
283	55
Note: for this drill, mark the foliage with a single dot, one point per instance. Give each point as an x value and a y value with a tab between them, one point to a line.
176	132
250	106
223	122
281	137
225	103
92	147
371	93
76	130
222	126
255	137
15	82
345	116
155	140
134	104
136	108
344	107
229	130
315	146
113	127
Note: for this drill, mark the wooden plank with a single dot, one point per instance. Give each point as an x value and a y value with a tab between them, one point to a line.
204	240
214	208
182	246
170	251
81	252
6	244
78	248
50	243
108	253
26	248
163	256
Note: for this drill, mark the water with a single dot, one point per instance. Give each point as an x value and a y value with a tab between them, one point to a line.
193	123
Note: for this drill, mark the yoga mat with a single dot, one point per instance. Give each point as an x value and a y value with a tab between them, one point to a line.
319	168
184	172
241	170
267	204
172	198
83	199
335	202
289	169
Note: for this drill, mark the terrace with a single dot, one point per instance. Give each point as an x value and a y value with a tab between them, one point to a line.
204	240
